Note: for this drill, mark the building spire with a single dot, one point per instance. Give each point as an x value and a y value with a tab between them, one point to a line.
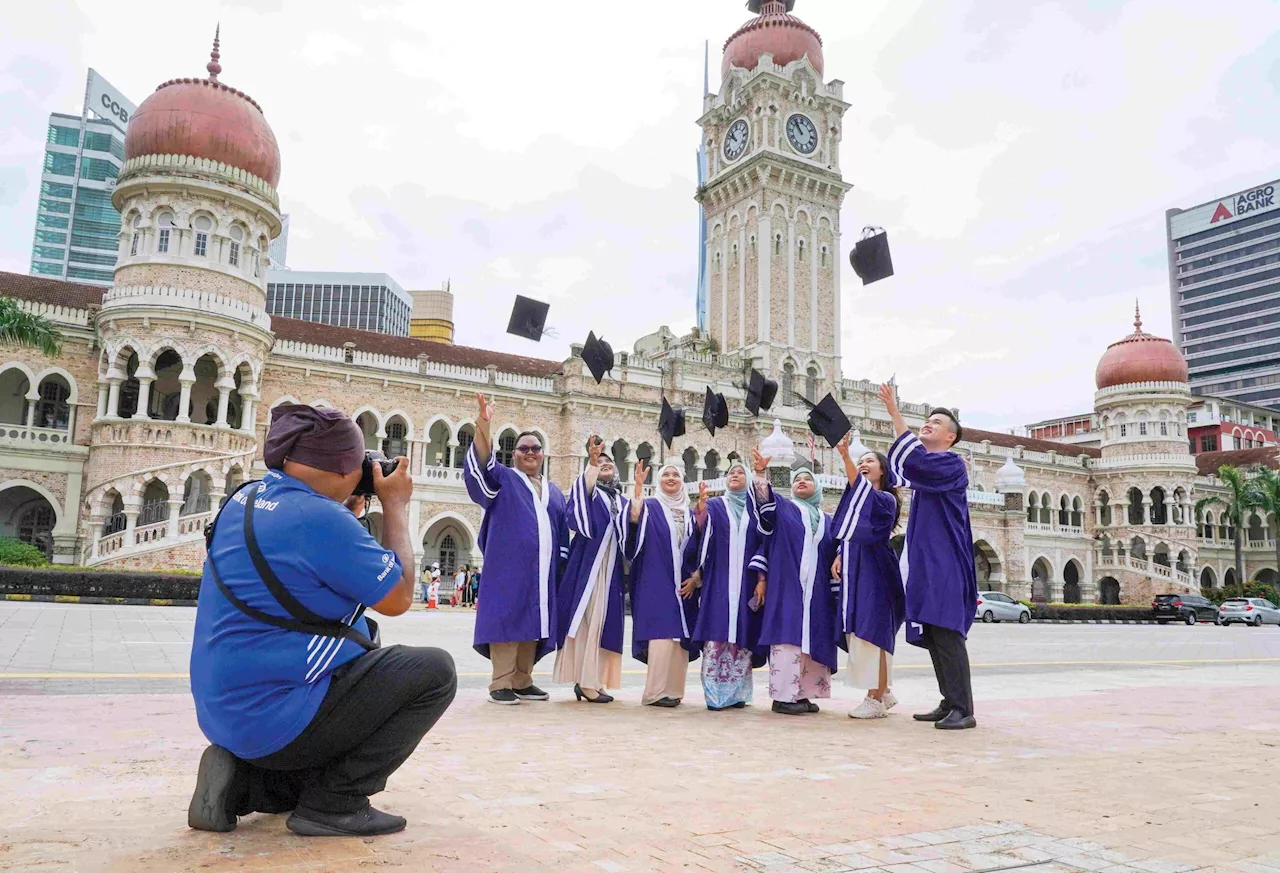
213	66
1137	317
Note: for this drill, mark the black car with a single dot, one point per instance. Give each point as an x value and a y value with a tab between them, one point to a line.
1188	608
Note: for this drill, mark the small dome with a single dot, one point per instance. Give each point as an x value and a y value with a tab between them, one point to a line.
204	118
1010	477
856	447
774	32
778	447
1140	357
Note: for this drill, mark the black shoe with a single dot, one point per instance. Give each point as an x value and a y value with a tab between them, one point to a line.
600	697
798	708
938	713
212	805
741	704
533	692
956	722
666	703
368	822
813	707
504	696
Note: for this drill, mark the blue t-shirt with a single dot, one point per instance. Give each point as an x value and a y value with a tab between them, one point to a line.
257	686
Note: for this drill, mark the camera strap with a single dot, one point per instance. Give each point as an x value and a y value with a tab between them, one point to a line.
302	620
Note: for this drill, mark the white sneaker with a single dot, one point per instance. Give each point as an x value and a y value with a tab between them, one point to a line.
889	700
869	708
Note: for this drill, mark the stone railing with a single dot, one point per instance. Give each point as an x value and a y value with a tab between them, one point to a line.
110	544
190	524
310	351
985	498
1151	568
384	362
1143	388
1037	527
522	382
150	533
151	432
187	298
20	436
1146	460
55	313
447	476
144	164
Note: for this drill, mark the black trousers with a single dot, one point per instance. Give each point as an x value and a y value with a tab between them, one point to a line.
951	666
378	708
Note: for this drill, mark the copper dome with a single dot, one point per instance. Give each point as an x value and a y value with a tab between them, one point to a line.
774	32
204	118
1140	357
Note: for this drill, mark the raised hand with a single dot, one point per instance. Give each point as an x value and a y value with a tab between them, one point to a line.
485	408
595	446
889	398
758	461
703	491
843	446
641	474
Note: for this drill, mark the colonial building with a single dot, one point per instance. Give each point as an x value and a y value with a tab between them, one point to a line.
116	452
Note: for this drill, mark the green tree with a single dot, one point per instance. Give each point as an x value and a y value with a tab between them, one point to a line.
21	328
1265	488
1238	500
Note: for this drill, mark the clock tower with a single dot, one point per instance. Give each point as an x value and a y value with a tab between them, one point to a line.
772	201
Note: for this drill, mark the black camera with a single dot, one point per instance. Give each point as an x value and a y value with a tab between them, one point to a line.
371	457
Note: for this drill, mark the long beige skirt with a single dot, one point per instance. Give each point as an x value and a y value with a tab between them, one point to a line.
864	664
581	660
668	668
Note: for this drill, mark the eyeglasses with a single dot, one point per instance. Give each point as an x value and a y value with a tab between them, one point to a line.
529	450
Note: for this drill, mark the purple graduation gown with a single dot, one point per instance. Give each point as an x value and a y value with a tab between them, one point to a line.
937	562
870	601
525	541
729	554
659	564
798	610
597	544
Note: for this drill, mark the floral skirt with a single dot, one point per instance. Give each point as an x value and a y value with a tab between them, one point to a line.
726	674
794	676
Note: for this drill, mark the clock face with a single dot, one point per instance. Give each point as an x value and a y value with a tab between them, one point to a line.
735	142
802	134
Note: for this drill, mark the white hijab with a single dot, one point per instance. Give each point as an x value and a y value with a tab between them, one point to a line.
677	504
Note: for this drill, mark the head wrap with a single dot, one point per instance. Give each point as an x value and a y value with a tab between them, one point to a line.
679	504
812	505
736	500
322	438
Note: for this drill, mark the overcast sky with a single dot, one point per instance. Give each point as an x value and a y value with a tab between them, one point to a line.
1021	155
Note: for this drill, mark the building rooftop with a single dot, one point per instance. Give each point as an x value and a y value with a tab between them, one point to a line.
53	291
1009	441
1208	462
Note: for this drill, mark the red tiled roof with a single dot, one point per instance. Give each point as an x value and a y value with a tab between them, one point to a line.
42	289
1209	462
1009	441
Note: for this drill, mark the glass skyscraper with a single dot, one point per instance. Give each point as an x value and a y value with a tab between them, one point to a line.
77	228
365	301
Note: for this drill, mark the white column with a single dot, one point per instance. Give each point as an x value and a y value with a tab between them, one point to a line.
103	393
225	386
144	398
764	255
175	515
813	287
742	287
113	398
187	378
791	283
32	398
248	410
837	263
724	297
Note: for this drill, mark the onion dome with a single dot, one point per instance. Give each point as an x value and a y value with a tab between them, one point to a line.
1010	477
1140	357
774	31
203	118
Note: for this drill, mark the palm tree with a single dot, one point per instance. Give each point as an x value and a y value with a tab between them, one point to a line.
1266	495
21	328
1239	499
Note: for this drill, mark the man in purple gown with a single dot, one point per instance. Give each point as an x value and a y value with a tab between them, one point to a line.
525	541
937	561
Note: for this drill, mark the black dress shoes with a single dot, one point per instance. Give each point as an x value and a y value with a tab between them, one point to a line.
800	707
666	703
600	697
213	804
813	707
533	692
938	713
954	721
368	822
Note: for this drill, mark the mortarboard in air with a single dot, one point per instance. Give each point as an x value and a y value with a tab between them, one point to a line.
827	419
715	411
760	392
870	256
670	422
528	318
598	356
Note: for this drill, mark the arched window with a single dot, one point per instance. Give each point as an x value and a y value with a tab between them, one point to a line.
507	449
202	227
1033	507
777	244
1077	512
690	464
164	221
466	437
137	236
800	250
448	556
811	384
788	384
1064	512
36	527
1159	510
395	445
1136	509
1046	509
233	254
52	409
823	257
712	462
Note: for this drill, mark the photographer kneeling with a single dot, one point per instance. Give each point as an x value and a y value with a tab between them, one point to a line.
305	712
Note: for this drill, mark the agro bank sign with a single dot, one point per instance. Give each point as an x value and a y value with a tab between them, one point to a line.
1222	212
101	98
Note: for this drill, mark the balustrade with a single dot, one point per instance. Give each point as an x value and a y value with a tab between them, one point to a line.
195	523
175	434
23	437
152	532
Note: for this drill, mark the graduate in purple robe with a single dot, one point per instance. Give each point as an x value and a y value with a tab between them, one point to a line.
937	561
590	597
798	625
731	563
870	601
525	541
664	610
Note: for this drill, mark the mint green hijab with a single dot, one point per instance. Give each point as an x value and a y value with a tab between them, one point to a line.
811	505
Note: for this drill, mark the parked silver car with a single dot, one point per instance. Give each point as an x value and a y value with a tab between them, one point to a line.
1248	610
994	606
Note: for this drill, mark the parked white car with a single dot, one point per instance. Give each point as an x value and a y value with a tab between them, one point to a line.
994	606
1248	610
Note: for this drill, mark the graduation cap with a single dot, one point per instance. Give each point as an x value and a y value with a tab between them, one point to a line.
670	422
760	392
870	256
715	411
528	318
827	419
598	356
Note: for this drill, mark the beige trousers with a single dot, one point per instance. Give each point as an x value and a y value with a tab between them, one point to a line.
581	660
668	667
512	664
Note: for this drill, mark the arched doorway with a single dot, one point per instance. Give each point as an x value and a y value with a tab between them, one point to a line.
1269	577
1229	577
987	566
1071	583
1109	591
1041	574
448	539
1207	579
26	515
690	458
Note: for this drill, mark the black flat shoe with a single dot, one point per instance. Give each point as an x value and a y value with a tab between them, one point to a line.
741	704
797	708
212	802
938	713
956	722
666	703
368	822
813	707
533	692
600	697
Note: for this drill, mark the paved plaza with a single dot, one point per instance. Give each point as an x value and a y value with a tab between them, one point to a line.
1100	748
